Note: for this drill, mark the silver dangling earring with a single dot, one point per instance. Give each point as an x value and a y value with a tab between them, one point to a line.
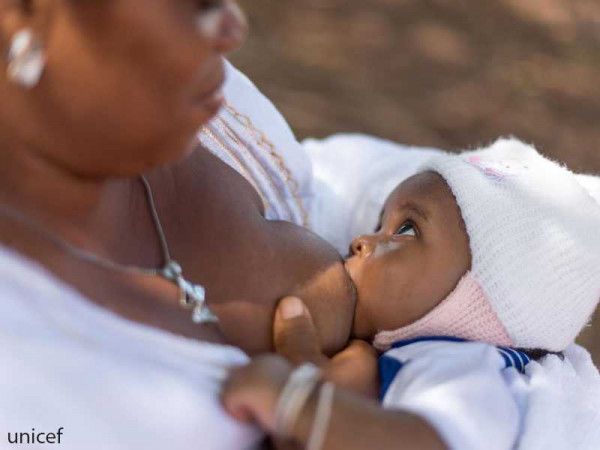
26	59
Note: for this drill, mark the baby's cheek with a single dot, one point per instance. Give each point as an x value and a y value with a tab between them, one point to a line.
386	296
376	281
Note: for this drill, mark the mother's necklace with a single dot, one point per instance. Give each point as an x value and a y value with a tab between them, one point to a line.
191	296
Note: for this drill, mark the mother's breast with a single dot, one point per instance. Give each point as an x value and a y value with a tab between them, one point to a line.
215	227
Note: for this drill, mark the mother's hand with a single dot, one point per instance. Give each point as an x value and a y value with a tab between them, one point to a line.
296	338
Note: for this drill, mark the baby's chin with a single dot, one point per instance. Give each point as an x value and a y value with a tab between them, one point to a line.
361	329
358	329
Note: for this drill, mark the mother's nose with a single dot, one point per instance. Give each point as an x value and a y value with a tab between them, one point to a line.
363	245
233	28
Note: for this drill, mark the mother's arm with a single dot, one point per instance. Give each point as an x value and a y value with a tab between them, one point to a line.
357	422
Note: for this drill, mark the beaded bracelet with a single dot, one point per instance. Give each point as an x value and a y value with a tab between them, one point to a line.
318	432
293	398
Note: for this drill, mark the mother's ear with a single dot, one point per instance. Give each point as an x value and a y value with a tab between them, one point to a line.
24	25
16	15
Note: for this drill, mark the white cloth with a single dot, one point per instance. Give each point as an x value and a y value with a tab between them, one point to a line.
477	397
564	403
110	383
353	175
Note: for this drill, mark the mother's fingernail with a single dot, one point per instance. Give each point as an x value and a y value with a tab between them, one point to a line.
291	307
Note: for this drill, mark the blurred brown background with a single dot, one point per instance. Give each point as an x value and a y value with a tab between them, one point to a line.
449	74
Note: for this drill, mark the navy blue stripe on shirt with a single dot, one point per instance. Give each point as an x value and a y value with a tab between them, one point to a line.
390	366
507	360
406	342
518	359
515	361
388	369
513	358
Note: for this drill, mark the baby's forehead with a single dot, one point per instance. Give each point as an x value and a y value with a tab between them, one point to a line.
429	194
426	187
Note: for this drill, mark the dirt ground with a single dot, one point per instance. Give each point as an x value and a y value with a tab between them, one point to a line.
450	74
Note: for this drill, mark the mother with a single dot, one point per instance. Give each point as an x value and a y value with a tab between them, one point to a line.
95	93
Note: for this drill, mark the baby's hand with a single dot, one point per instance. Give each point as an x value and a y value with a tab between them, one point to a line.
355	368
296	338
251	392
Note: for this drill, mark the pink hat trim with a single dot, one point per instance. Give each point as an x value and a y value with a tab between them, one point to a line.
466	313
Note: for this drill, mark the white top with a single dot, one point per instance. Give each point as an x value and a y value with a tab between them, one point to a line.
108	382
112	384
252	137
481	397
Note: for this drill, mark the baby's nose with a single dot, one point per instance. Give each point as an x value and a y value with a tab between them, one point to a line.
363	246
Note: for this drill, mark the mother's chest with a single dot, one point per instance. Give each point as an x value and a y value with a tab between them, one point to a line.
213	220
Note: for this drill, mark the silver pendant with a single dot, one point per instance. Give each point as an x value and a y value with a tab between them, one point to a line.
191	296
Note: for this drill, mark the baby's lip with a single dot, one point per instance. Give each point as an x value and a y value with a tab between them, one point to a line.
346	267
351	281
348	263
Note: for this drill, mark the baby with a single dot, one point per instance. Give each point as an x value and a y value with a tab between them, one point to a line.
481	262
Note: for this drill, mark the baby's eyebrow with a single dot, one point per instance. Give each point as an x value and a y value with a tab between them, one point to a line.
416	209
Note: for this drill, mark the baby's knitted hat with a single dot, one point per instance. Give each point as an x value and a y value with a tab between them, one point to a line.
534	233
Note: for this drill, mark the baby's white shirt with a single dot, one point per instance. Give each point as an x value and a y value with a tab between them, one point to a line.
477	396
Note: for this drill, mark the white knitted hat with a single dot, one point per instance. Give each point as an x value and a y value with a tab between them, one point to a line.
534	232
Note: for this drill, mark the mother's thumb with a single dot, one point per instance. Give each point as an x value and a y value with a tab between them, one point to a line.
294	333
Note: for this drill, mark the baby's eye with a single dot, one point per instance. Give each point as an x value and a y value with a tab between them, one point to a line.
406	229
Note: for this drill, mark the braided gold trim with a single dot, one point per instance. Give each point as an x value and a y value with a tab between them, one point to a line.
262	141
206	130
230	132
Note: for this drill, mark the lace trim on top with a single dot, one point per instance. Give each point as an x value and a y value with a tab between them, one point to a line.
236	140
